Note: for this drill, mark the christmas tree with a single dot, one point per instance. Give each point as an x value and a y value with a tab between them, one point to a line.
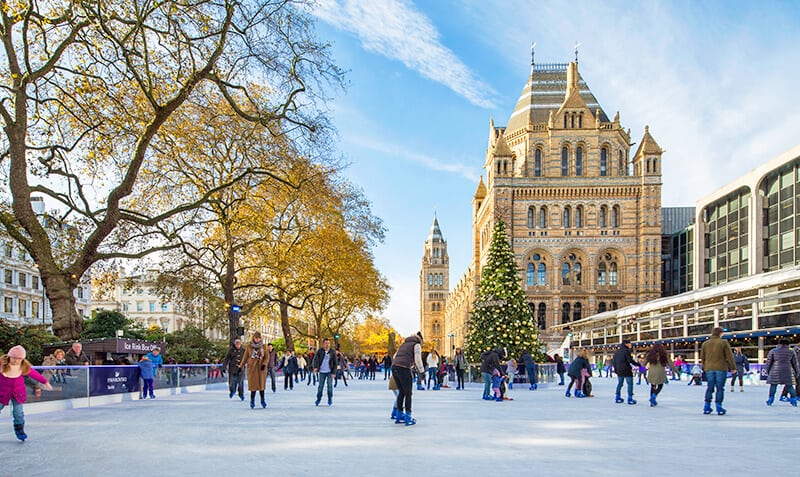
501	317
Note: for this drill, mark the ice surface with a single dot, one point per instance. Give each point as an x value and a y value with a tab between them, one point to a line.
538	433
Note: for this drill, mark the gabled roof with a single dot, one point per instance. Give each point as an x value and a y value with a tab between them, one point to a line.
545	91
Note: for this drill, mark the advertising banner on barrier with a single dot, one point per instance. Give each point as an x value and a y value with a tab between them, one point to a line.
113	380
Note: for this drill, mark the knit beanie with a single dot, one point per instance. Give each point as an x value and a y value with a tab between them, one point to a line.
17	352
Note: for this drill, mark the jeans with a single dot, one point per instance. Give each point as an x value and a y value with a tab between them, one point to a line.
531	370
561	375
627	379
147	387
431	376
716	379
236	383
487	384
288	380
459	378
271	374
387	372
322	378
16	412
788	389
312	375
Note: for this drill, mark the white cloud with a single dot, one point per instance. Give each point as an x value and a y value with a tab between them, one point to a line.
396	30
434	163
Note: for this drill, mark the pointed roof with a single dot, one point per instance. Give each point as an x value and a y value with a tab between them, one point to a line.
501	148
480	192
436	232
546	91
648	146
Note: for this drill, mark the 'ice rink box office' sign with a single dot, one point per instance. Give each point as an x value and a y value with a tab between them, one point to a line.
136	346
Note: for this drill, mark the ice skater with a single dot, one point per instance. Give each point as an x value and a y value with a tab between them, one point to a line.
147	372
657	362
13	370
781	369
408	355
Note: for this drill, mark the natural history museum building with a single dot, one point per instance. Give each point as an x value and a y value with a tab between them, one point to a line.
583	213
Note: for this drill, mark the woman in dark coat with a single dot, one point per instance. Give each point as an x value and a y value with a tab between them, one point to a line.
256	359
781	369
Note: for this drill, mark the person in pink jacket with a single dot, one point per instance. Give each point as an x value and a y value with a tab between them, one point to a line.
13	369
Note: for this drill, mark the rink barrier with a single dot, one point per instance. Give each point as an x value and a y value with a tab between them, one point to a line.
85	386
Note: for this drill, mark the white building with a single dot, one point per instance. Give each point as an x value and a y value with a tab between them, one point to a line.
24	299
136	297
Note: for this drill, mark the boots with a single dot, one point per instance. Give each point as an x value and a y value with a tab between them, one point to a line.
653	402
720	410
394	414
793	401
631	400
770	400
400	419
252	403
618	399
410	421
567	393
707	407
263	402
579	394
19	430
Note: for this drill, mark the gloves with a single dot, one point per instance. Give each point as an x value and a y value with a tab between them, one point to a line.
263	367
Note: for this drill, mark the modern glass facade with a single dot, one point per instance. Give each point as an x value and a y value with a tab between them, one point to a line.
781	192
726	238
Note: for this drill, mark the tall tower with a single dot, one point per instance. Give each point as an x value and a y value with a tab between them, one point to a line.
434	283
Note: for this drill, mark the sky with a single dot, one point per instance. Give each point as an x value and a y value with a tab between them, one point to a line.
716	81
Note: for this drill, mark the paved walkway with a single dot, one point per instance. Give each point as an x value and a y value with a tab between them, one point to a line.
539	433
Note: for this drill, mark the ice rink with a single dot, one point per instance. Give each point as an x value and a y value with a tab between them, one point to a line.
538	433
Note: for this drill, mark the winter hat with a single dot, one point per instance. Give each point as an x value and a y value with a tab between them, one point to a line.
419	334
17	352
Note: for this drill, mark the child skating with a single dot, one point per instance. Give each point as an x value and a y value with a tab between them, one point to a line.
13	369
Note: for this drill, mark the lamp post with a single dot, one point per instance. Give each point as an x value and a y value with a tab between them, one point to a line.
452	343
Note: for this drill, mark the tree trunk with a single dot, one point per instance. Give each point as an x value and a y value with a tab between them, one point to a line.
66	322
287	332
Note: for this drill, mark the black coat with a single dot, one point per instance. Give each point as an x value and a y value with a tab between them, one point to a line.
490	360
577	365
320	356
233	358
623	361
527	359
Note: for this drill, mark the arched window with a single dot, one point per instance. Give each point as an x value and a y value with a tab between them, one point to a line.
531	221
571	270
615	217
564	161
602	221
578	216
541	316
576	312
536	272
565	312
537	163
543	218
613	305
565	221
601	307
607	270
579	161
603	161
565	274
613	279
602	274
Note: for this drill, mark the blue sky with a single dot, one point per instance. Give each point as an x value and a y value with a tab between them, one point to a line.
717	82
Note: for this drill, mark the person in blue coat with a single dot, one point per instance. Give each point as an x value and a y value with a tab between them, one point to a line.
147	372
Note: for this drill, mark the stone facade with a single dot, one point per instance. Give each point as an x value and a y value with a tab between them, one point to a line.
434	281
584	216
